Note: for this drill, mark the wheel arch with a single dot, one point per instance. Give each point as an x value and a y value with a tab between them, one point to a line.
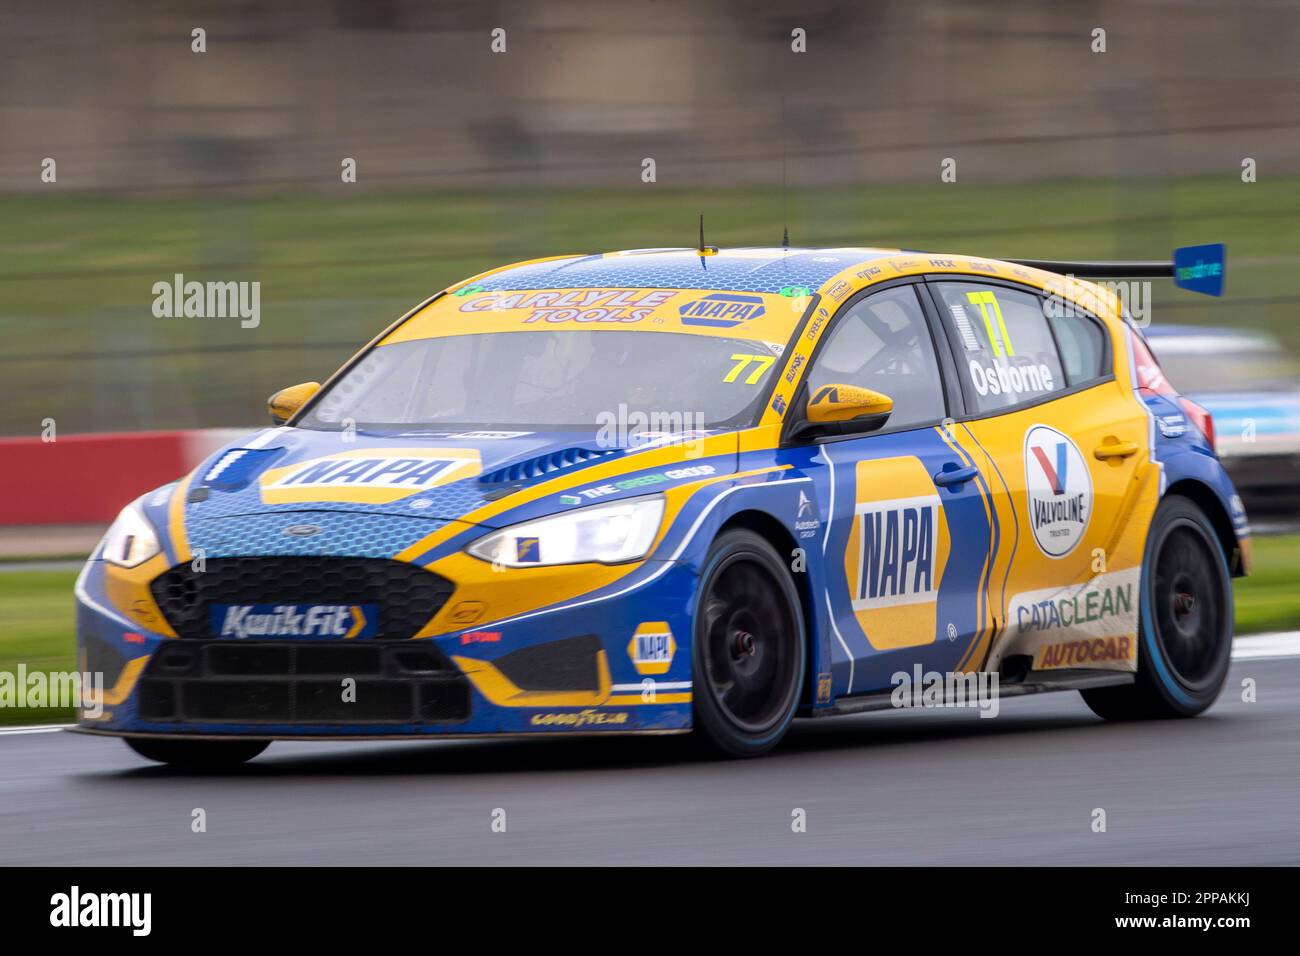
779	537
1205	498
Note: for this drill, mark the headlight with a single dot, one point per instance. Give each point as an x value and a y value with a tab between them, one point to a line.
620	531
131	539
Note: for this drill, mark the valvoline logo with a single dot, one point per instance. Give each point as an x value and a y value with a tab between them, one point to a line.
723	310
1059	490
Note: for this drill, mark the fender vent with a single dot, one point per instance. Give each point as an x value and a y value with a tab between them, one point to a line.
543	466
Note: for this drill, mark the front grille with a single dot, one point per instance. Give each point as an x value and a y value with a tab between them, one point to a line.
301	682
407	596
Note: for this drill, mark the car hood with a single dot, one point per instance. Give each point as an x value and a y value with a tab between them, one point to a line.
296	490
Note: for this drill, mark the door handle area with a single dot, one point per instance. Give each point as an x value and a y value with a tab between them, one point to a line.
954	476
1115	449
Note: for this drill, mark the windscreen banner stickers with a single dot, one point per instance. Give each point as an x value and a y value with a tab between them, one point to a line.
1059	488
1200	268
576	305
754	317
1090	625
342	621
369	475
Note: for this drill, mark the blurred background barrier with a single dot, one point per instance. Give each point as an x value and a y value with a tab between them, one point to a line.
86	479
227	165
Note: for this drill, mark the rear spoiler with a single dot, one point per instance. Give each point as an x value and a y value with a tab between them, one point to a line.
1194	268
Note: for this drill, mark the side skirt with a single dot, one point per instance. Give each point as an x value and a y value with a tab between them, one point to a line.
1041	683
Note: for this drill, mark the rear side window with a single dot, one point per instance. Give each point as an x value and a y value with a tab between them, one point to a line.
1006	355
1081	343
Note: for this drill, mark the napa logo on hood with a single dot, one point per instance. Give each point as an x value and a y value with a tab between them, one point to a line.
368	475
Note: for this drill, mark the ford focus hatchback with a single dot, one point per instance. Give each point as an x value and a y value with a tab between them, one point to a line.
665	491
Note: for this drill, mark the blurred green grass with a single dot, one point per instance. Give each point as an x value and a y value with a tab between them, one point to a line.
1269	600
36	610
76	272
37	627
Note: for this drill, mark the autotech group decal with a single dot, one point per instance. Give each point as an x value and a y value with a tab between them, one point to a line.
1059	488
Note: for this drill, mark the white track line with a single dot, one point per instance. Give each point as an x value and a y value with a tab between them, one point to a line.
41	729
1255	647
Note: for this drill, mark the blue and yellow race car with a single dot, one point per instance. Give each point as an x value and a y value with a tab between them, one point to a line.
669	490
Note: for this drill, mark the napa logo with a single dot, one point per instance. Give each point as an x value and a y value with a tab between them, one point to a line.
344	621
369	475
1059	490
722	310
652	647
896	553
898	544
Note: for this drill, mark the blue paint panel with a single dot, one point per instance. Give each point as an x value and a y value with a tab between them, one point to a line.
682	269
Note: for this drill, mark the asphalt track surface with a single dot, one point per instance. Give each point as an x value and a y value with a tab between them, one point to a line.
881	789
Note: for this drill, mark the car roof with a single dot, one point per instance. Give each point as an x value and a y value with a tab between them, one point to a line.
755	270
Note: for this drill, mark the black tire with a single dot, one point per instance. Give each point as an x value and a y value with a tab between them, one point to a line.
1185	624
199	754
748	647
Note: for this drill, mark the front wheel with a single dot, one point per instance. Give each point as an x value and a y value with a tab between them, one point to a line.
748	646
198	754
1185	628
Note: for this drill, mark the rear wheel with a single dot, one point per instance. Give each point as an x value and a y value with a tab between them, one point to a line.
210	754
748	647
1185	628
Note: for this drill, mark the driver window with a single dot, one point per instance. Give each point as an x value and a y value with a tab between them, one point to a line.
883	343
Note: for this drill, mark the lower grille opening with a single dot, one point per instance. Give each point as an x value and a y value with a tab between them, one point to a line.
301	682
567	664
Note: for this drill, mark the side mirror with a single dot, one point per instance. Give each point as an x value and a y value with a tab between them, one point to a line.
284	404
847	409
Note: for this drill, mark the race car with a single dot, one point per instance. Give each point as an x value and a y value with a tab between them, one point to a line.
684	490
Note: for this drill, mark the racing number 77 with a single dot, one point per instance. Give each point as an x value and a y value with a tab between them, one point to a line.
761	364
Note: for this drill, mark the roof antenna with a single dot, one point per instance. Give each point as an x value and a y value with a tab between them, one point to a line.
703	249
785	195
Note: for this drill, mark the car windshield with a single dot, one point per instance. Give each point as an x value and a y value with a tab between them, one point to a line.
1236	365
570	380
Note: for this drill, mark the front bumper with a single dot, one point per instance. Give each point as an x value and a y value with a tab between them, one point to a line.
576	666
